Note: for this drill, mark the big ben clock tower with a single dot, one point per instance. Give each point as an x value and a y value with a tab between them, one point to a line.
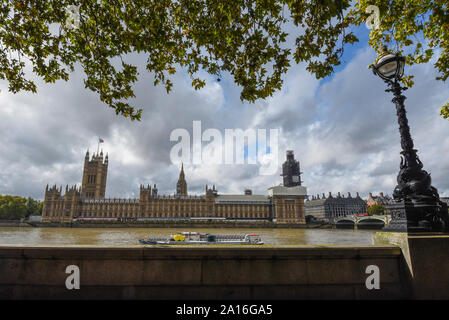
290	171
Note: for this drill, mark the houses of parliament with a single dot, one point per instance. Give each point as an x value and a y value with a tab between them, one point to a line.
283	203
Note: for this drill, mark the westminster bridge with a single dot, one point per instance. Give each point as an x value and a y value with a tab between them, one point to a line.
362	222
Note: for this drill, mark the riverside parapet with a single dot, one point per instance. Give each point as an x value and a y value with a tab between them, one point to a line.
136	272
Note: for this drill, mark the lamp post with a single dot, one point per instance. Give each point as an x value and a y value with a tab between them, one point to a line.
417	204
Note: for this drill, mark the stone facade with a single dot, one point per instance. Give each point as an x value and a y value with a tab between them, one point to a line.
94	176
282	204
287	202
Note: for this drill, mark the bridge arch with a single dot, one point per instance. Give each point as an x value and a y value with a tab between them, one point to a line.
345	223
370	223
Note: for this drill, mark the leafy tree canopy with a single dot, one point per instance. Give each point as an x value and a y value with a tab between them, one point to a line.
33	207
15	207
12	207
376	209
245	38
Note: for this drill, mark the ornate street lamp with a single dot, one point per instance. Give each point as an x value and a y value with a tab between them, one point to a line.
417	204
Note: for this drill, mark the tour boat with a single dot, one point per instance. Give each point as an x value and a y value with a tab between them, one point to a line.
196	238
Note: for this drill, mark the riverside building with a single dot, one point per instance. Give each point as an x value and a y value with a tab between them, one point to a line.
282	204
334	207
380	199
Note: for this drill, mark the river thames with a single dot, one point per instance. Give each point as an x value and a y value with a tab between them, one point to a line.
130	236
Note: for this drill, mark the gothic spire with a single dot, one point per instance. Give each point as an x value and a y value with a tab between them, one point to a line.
181	186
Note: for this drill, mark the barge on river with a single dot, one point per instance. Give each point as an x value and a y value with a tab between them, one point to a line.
196	238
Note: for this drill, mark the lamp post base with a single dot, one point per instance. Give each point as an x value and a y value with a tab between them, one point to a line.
407	216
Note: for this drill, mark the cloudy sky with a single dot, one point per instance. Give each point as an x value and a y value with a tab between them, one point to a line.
343	130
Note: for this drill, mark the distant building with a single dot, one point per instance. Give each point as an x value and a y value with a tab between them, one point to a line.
286	202
35	218
283	204
332	208
380	199
445	199
290	171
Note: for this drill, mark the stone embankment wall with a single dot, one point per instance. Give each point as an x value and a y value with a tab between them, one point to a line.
306	272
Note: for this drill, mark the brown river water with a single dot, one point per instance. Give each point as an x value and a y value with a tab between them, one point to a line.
130	236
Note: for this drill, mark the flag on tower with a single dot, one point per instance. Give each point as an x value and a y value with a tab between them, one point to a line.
99	141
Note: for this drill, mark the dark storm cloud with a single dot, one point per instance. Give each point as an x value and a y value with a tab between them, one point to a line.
386	168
